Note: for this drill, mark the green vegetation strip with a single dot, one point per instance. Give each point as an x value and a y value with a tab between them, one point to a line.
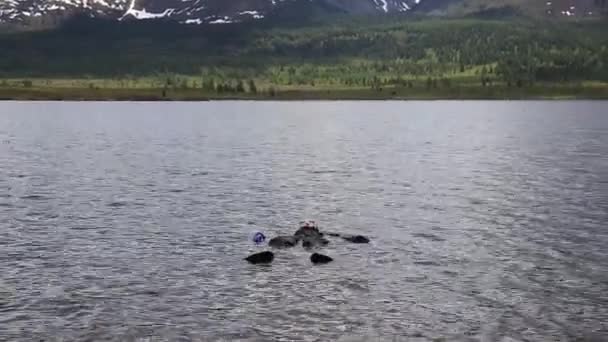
396	93
394	58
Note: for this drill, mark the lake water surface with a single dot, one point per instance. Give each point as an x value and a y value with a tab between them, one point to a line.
130	221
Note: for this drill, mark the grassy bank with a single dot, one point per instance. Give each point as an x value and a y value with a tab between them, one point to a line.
76	93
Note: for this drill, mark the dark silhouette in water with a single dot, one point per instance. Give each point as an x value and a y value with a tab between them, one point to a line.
284	241
356	238
311	237
317	258
311	242
308	229
261	258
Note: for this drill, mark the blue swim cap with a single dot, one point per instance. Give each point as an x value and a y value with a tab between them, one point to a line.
259	238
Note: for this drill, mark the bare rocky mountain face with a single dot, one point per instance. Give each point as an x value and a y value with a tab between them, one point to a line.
44	13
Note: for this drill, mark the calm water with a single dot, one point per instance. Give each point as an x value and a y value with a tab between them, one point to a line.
122	222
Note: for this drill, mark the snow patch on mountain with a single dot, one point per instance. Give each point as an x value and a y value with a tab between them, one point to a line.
224	20
183	11
143	14
383	4
196	21
253	14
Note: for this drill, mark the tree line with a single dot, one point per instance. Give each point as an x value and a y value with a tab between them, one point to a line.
395	53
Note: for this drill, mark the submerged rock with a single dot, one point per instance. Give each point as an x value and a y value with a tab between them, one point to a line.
261	258
317	258
310	242
308	231
283	241
356	238
310	235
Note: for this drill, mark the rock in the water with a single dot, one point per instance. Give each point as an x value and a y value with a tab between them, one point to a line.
283	241
308	231
317	258
356	238
333	234
308	228
310	242
261	258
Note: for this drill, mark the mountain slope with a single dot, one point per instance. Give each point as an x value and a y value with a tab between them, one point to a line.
45	13
185	11
535	8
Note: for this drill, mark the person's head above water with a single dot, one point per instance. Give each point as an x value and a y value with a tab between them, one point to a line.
308	224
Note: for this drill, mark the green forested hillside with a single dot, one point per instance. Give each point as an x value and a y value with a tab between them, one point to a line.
354	53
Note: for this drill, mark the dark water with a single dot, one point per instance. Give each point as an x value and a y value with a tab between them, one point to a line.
123	222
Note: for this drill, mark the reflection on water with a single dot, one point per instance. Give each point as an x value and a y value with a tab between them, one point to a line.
130	221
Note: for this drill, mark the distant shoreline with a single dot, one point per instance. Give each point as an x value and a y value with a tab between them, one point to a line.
556	99
395	94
